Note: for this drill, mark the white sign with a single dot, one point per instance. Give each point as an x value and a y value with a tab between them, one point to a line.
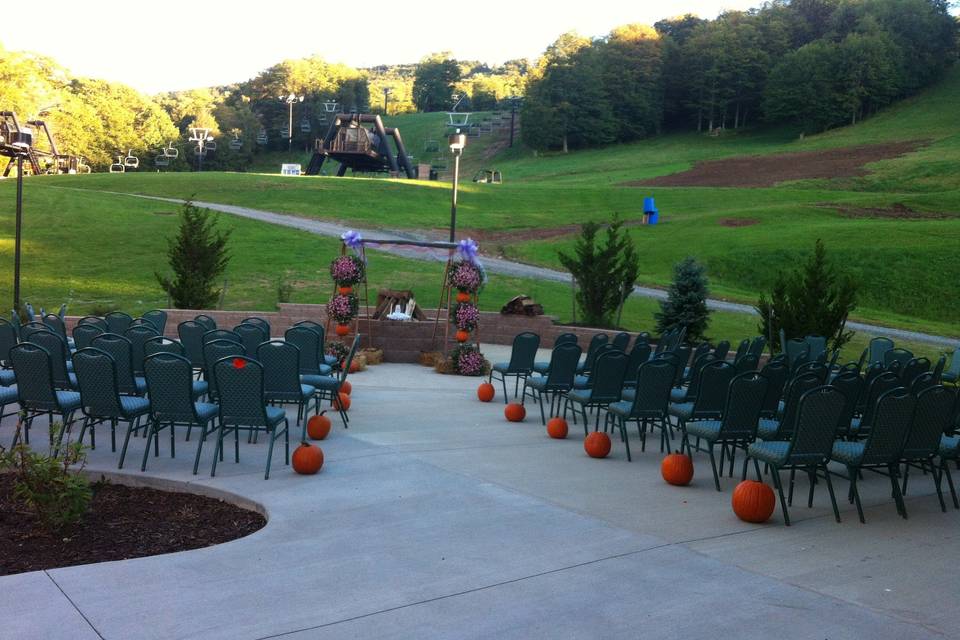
290	170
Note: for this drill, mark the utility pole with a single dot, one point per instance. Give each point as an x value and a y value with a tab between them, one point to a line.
291	100
386	97
514	105
457	142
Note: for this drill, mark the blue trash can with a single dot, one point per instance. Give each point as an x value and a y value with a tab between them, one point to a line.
650	211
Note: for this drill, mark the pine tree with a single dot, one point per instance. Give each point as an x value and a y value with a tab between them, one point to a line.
198	257
686	303
814	300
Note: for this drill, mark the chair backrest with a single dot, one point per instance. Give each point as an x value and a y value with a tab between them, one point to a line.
741	351
696	369
97	382
746	362
170	384
644	336
757	345
31	328
777	374
798	353
682	352
741	413
221	334
932	417
215	351
902	356
819	368
524	352
711	397
55	323
239	381
34	371
638	355
850	384
260	322
117	322
206	321
563	365
937	370
138	335
121	350
159	344
251	335
890	426
877	348
796	387
94	320
886	381
83	334
345	370
596	342
310	345
310	324
281	368
722	350
850	367
8	340
818	347
818	411
654	383
28	310
913	368
158	318
607	376
923	381
57	348
564	338
955	363
699	351
621	341
191	337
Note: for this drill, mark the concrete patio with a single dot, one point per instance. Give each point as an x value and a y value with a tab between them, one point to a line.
433	517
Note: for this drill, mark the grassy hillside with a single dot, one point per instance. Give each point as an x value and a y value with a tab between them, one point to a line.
907	268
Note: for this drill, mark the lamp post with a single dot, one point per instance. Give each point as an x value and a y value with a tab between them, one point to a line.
202	137
291	100
457	142
514	105
386	97
15	142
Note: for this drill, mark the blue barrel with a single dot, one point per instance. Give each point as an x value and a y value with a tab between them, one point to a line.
650	210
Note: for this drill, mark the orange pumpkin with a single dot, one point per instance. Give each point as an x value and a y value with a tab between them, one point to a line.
597	445
318	427
463	296
354	367
515	412
307	459
346	387
342	400
463	336
557	428
344	291
677	469
343	329
753	501
485	392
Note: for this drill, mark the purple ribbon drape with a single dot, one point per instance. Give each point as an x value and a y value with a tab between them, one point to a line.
468	250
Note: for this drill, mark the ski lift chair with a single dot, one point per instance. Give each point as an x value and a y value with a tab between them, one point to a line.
262	137
161	160
305	125
236	144
457	119
131	161
431	146
211	145
284	133
199	151
171	151
118	166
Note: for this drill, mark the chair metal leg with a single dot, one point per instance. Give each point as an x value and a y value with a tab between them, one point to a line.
936	483
126	441
833	497
203	437
713	464
945	469
625	436
793	474
775	472
855	493
151	431
897	496
543	416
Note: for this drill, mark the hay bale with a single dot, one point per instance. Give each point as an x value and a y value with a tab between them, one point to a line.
373	355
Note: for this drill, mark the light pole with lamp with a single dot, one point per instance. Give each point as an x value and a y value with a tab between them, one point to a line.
457	142
202	137
15	143
291	100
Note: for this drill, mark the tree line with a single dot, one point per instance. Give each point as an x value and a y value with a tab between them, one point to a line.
813	64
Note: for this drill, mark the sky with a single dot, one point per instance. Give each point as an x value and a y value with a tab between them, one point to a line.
168	45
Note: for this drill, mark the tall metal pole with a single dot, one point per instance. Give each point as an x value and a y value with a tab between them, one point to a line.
513	117
290	127
18	233
453	200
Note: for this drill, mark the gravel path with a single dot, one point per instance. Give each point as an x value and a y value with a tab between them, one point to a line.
504	267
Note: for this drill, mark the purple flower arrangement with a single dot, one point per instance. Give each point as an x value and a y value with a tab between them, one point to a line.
466	316
467	360
347	271
466	276
336	349
343	308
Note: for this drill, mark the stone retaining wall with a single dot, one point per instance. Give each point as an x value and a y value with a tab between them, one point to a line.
400	341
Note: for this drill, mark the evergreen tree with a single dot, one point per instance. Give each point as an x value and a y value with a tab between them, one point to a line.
686	303
198	257
814	300
605	275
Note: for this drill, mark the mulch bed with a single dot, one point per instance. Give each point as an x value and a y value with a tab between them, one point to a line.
767	171
738	222
898	211
122	522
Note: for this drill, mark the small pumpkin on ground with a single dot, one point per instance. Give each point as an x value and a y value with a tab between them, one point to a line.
515	412
486	392
318	426
307	459
753	501
557	428
346	387
677	469
342	400
597	445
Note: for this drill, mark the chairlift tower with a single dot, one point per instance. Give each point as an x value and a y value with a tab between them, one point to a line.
515	102
290	99
386	99
204	141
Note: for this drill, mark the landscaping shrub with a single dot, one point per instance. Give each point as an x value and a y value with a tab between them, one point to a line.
686	303
198	257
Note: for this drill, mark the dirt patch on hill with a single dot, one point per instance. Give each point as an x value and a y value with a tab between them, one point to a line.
898	211
738	222
485	236
767	171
